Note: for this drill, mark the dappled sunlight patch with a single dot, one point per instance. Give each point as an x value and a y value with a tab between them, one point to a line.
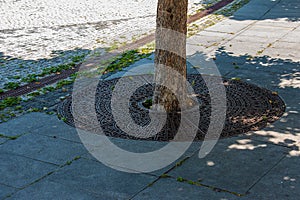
285	83
293	112
284	118
245	144
210	163
282	138
290	80
294	153
291	180
286	138
287	178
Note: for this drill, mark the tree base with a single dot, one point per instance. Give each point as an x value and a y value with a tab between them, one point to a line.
248	108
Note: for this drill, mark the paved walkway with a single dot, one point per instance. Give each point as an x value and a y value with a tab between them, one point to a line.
43	158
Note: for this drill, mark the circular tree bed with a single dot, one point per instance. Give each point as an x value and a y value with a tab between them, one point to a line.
249	107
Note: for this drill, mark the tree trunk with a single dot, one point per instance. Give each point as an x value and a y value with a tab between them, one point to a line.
170	53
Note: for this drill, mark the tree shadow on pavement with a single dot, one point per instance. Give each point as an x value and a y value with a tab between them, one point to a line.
269	10
261	164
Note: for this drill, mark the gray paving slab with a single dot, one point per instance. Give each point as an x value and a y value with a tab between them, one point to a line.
195	48
2	140
208	38
280	22
278	74
291	100
227	62
235	164
289	121
142	146
250	76
267	31
204	44
213	33
44	148
282	182
94	177
285	8
281	13
57	128
243	47
207	66
291	37
287	138
172	189
298	27
288	44
261	9
285	68
116	75
193	69
246	12
265	2
230	26
257	39
18	171
23	124
143	68
282	69
283	53
50	190
139	146
6	191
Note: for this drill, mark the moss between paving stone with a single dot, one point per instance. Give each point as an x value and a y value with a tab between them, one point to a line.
195	183
34	77
9	101
11	106
216	17
10	137
231	8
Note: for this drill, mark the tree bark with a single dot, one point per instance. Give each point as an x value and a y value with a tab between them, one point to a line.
170	53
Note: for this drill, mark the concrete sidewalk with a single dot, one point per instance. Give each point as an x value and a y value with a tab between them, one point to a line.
43	158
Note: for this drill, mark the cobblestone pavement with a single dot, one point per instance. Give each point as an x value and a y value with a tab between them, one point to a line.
39	34
35	35
32	29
